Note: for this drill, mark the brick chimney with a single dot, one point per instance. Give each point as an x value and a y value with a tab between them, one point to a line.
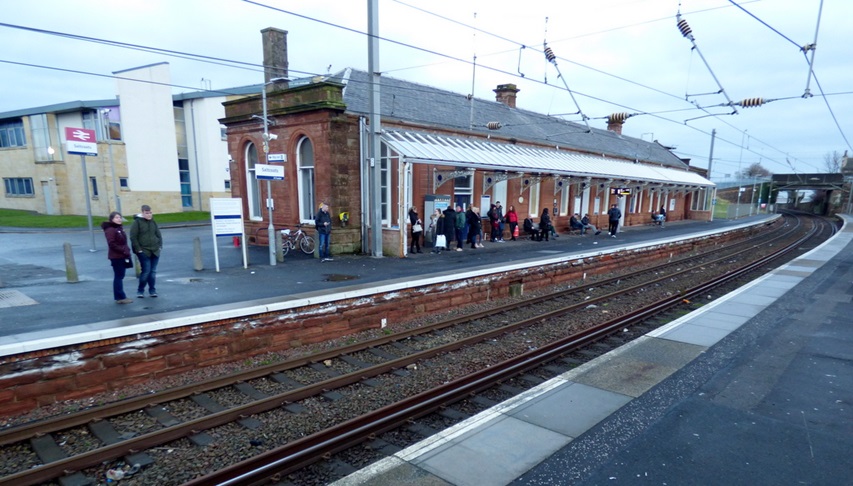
275	54
506	94
615	122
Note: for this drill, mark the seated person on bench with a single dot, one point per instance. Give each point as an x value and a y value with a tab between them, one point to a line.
575	224
588	225
532	228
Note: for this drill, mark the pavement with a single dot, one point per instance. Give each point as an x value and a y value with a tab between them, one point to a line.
36	296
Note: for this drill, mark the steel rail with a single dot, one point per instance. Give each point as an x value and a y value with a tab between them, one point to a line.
302	452
156	438
26	431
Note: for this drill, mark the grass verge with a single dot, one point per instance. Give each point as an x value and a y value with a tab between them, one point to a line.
28	219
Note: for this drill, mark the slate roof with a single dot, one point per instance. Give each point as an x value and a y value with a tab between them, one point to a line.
408	101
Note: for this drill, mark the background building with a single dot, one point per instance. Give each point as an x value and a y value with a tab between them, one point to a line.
168	151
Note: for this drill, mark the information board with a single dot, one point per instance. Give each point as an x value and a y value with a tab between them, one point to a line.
226	219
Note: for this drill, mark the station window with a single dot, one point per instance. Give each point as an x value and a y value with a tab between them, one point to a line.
12	134
253	185
19	186
305	161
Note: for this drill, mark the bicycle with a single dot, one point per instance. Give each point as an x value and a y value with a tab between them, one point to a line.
298	239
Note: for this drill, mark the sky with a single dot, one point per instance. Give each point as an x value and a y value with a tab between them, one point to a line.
611	56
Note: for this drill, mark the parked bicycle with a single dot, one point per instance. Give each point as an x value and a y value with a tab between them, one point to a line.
296	239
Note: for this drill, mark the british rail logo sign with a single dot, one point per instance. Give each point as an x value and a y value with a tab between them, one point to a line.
81	141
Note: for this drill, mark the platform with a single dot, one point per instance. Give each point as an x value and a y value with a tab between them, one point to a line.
755	388
39	309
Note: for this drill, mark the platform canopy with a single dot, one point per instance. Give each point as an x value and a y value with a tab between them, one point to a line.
418	147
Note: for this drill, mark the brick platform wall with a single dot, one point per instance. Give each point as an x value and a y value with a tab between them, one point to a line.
33	379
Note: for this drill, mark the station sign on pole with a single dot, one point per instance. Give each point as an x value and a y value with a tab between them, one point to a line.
82	141
269	172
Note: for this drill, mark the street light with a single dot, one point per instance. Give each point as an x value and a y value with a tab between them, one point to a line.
105	115
267	137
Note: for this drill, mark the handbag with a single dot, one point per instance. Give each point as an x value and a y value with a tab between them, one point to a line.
441	240
128	263
417	228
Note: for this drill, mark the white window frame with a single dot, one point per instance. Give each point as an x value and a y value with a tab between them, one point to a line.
564	202
253	185
463	189
534	199
306	192
385	183
499	194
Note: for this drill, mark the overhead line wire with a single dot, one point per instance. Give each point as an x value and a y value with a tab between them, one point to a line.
211	59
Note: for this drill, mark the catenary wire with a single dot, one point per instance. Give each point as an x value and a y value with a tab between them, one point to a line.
177	53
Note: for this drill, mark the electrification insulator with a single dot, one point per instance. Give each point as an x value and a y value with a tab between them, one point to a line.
494	125
751	102
684	28
617	118
549	54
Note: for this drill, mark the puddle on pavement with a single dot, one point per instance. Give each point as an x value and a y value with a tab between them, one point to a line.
338	277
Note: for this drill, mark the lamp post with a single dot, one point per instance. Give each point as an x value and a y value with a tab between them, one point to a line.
267	137
105	114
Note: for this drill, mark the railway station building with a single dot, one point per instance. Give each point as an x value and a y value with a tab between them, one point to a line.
437	148
176	151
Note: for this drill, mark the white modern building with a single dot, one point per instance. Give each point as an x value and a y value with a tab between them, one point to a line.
167	151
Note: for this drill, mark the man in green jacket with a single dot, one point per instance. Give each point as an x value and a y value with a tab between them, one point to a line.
146	241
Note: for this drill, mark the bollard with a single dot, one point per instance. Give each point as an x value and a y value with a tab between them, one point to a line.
198	265
70	266
279	253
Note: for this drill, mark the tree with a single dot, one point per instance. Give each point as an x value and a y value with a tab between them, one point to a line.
755	170
832	161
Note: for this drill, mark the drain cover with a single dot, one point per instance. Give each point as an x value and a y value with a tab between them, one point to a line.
338	277
13	298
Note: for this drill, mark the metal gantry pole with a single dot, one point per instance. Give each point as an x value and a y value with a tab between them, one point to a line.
710	163
88	202
270	227
375	126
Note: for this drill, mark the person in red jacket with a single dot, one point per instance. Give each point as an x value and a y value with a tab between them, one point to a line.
118	253
512	219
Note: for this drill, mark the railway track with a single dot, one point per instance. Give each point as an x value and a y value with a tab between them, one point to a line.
242	398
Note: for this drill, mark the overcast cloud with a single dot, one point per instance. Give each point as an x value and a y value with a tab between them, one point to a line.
615	55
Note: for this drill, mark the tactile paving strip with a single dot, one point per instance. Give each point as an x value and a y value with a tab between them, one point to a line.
13	298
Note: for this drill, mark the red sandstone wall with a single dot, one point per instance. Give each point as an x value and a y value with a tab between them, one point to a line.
33	379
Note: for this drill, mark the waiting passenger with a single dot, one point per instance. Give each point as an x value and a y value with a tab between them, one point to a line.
574	223
532	229
545	225
587	224
494	224
512	219
475	227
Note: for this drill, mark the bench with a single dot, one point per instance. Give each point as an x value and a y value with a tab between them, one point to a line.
655	222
